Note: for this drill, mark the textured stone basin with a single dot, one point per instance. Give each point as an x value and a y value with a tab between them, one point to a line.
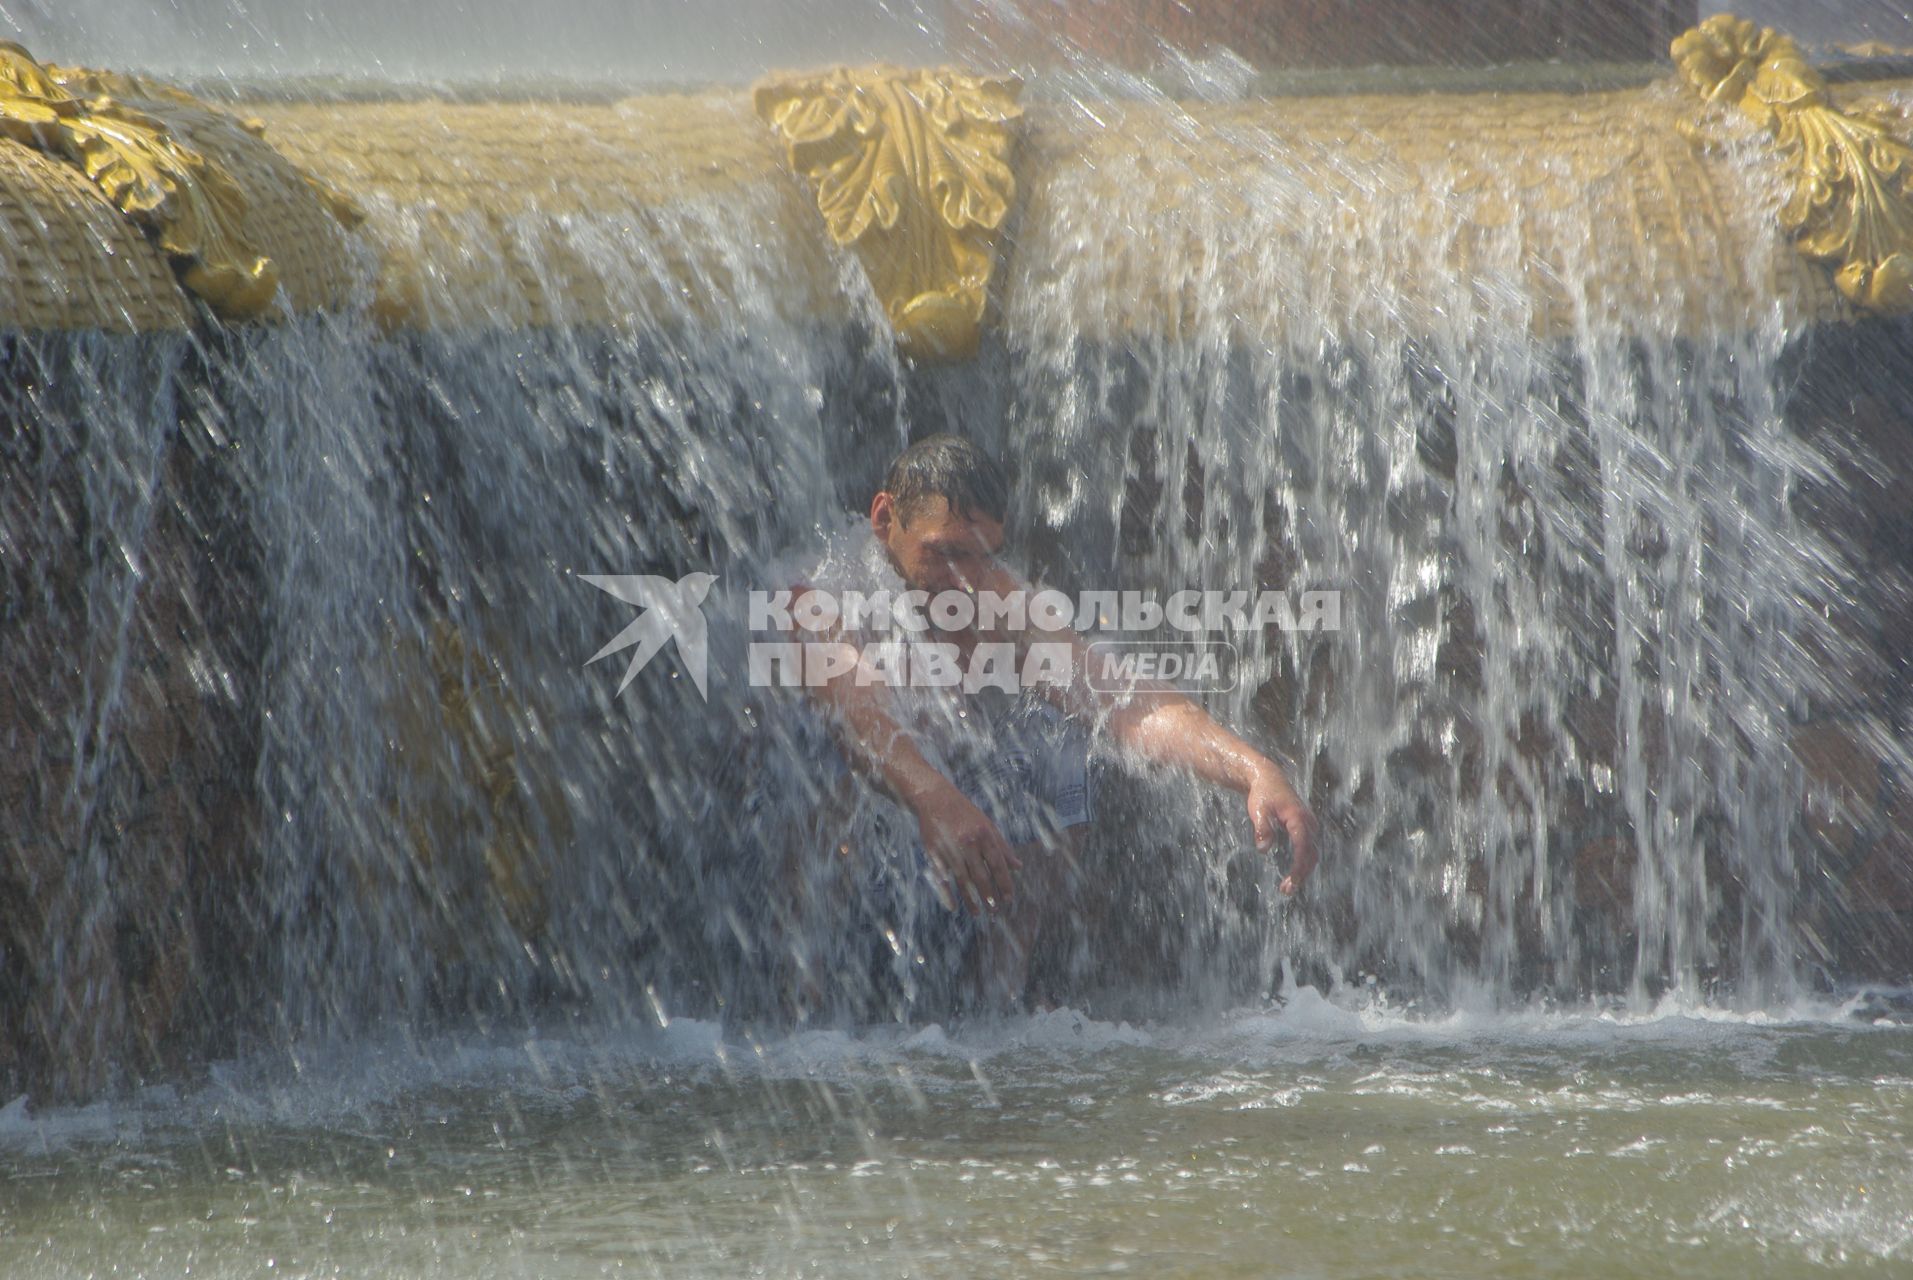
1599	204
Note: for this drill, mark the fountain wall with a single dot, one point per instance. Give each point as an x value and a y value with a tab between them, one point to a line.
296	735
1318	33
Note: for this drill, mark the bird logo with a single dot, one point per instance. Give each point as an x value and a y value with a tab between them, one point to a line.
671	609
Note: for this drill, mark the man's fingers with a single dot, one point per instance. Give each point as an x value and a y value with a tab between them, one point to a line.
957	878
944	886
1301	826
987	879
996	862
975	864
1005	865
999	864
976	894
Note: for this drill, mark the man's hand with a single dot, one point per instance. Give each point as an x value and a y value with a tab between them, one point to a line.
970	862
969	857
1273	803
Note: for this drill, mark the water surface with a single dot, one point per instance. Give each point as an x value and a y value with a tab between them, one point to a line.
1320	1138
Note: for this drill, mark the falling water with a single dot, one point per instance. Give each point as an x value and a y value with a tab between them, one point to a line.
352	920
1577	606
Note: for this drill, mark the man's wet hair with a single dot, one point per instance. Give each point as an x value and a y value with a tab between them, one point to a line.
951	468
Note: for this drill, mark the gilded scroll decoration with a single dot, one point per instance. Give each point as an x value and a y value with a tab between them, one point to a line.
911	169
1851	197
190	205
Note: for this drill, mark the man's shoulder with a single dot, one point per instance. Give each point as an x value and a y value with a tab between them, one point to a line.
836	579
847	563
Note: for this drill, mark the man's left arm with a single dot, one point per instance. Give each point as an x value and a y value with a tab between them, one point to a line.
1169	728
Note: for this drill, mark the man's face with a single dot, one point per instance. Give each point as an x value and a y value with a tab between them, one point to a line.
936	549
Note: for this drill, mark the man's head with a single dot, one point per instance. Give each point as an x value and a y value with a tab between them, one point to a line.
940	513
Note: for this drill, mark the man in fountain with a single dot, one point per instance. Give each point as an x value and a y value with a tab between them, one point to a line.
997	782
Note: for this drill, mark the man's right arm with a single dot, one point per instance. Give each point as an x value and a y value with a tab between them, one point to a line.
972	861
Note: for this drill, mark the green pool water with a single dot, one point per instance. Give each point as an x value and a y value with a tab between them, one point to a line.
1316	1139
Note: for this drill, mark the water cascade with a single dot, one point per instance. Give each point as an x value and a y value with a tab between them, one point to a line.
297	739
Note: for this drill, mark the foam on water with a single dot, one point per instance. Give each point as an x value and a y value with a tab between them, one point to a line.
358	1082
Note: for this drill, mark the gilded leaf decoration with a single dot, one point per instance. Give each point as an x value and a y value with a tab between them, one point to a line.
190	206
911	169
1851	202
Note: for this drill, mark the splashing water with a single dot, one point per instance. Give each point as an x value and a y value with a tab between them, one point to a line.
383	935
1578	609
